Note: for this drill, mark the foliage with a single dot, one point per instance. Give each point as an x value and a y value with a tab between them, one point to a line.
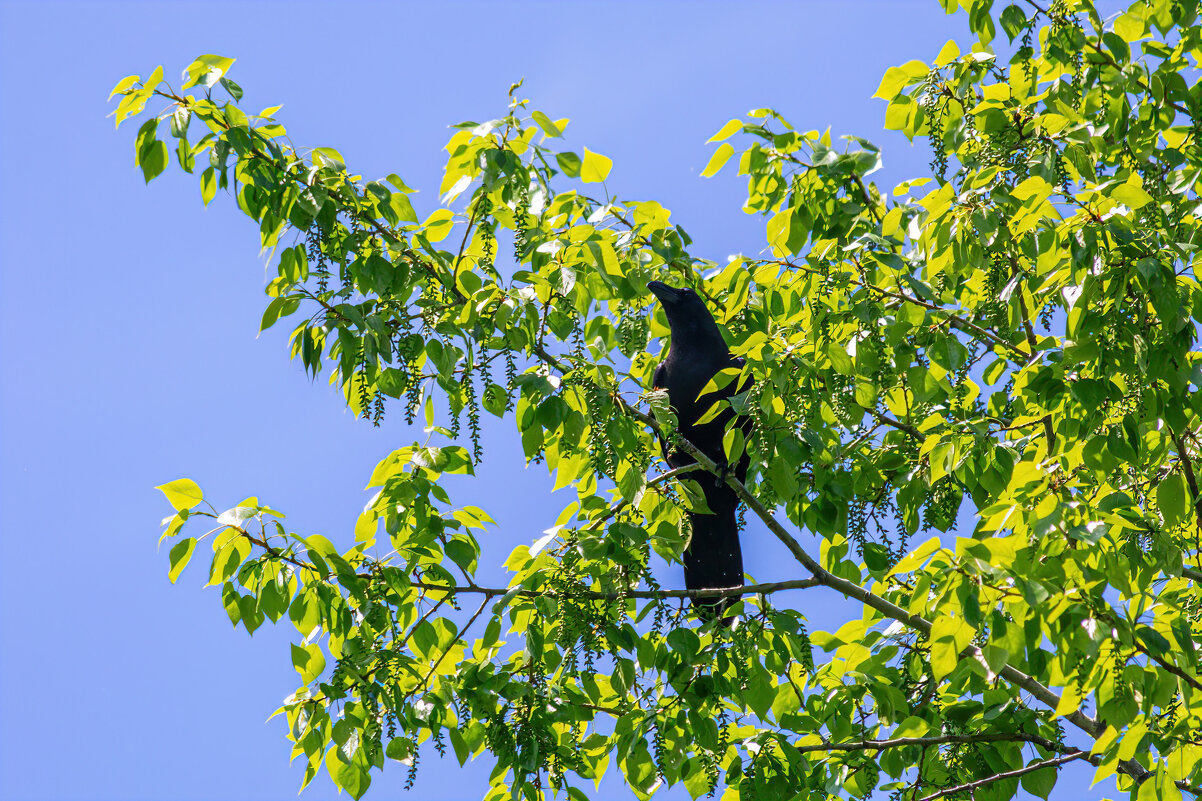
1003	351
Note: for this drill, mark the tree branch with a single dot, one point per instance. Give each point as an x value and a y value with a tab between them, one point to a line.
1012	774
613	595
1048	431
1190	477
899	425
900	742
462	633
623	503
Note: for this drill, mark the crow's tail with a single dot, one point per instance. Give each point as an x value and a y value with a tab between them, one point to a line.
714	559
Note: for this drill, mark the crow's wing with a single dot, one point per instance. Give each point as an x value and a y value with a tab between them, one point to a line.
659	378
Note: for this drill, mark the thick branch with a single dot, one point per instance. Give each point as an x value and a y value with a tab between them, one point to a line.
613	595
1190	478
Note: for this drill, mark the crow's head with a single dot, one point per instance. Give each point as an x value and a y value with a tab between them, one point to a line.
684	308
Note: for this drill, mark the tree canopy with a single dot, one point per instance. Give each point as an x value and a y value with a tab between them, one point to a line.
978	389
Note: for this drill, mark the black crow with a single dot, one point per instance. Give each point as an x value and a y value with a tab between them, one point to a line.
696	354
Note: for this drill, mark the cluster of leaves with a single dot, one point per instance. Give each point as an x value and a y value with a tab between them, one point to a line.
1016	331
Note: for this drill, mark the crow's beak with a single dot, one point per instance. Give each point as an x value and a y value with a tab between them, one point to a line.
666	294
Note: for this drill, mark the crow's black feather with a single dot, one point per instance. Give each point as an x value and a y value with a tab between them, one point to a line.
696	354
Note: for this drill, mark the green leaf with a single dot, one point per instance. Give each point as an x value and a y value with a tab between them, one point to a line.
399	748
153	159
544	122
396	181
179	121
1040	783
1033	187
949	53
1013	21
309	661
720	157
234	89
1173	499
448	459
183	154
208	185
896	78
279	307
494	399
346	773
183	493
569	163
305	613
400	205
595	167
694	496
181	553
230	600
733	445
696	777
328	157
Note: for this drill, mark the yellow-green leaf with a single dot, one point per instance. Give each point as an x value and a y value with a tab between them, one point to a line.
208	185
123	84
1131	194
595	167
897	77
949	53
720	157
949	636
438	225
1032	187
183	493
206	70
891	83
181	552
726	131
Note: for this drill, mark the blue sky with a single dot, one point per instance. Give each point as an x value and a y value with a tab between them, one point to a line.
129	316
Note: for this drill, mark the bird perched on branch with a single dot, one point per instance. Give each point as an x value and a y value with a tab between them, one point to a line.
696	354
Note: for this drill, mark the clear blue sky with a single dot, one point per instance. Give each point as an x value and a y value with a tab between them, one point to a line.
127	332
